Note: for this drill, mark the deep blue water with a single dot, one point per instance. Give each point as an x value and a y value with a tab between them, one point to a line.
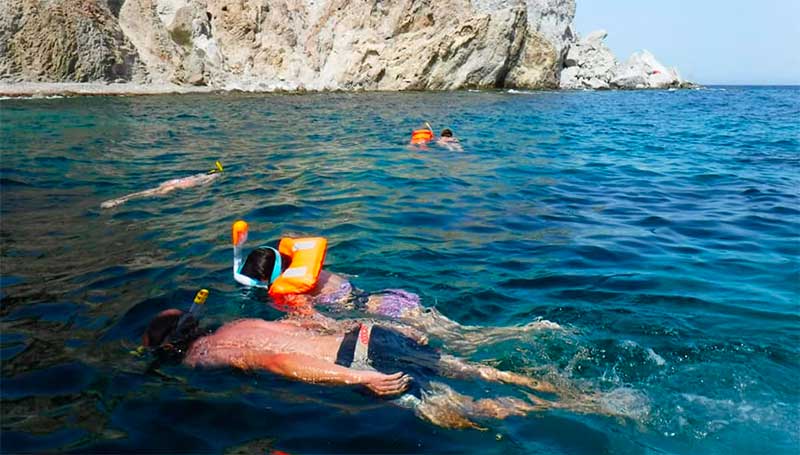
662	228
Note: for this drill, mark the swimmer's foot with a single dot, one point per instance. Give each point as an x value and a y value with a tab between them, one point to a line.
500	408
445	407
541	324
112	203
540	404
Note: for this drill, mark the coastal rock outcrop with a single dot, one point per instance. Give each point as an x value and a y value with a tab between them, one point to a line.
341	44
265	45
63	40
590	64
290	44
642	70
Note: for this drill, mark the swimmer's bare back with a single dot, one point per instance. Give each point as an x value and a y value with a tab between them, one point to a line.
245	337
166	187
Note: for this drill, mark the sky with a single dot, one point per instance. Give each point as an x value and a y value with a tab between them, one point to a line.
733	42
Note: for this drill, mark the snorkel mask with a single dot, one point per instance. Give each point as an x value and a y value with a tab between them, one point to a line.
187	323
239	238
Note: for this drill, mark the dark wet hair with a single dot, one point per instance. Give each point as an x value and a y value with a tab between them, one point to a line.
447	132
259	264
168	342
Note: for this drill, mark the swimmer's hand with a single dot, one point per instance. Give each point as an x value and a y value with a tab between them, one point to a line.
386	384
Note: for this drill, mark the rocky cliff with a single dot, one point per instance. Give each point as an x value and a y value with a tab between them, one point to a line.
290	44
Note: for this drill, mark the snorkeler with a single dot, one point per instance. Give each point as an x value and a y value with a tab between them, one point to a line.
448	141
380	359
169	186
421	137
297	284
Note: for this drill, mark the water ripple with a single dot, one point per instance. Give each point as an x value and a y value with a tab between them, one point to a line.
659	228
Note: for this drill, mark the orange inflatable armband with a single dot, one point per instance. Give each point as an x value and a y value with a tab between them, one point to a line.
307	256
421	136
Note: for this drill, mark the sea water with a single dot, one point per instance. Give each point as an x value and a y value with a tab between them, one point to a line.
660	228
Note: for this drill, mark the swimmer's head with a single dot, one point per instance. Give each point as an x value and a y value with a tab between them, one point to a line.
260	264
166	339
447	132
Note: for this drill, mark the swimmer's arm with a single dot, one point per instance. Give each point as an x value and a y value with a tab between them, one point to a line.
309	369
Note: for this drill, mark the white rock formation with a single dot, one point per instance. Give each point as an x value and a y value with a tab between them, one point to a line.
590	64
642	70
553	20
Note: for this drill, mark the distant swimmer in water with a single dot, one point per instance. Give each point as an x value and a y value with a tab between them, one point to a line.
293	275
448	141
380	359
170	186
420	138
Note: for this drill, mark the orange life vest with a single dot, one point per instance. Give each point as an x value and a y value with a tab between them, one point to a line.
421	136
307	256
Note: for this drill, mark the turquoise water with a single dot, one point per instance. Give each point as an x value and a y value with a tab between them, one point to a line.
662	228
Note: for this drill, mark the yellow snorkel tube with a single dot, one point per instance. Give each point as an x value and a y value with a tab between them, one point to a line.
199	301
217	168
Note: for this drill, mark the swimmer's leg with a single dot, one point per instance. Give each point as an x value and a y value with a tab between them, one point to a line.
124	199
164	188
461	369
464	339
447	408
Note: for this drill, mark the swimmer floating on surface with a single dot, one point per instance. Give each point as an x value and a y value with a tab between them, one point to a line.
170	186
448	141
372	356
420	138
264	265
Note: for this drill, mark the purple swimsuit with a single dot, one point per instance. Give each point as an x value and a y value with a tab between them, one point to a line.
393	302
